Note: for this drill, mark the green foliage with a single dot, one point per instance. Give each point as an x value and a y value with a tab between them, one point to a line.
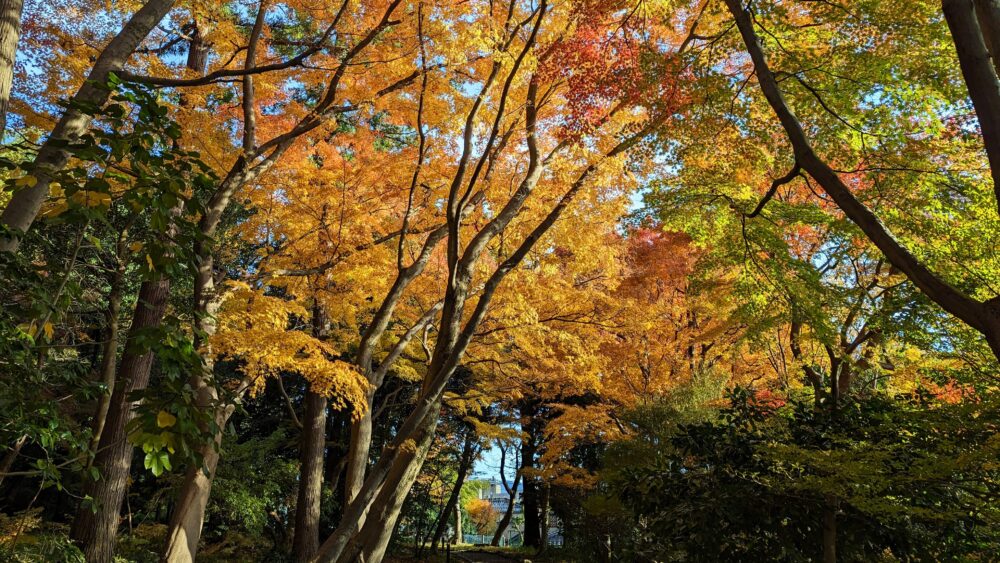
25	538
253	486
124	210
904	477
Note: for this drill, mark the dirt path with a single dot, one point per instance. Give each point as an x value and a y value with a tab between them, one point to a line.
481	557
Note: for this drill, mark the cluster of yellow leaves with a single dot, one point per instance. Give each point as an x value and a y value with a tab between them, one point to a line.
255	330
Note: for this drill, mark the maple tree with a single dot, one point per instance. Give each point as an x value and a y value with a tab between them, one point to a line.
314	264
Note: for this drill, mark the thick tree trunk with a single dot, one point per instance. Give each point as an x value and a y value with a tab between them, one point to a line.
305	543
96	531
979	74
10	30
389	484
198	51
530	497
464	465
25	203
988	14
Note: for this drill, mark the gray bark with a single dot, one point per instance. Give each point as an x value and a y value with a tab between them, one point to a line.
10	31
25	203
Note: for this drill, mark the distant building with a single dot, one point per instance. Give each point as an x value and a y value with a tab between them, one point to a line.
497	495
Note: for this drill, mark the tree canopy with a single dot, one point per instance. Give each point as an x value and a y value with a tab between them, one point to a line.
327	281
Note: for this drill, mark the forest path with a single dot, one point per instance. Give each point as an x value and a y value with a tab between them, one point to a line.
481	557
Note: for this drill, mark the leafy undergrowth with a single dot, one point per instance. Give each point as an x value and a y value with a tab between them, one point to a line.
26	538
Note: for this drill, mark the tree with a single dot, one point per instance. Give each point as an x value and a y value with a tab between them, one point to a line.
791	460
24	205
482	515
10	30
980	78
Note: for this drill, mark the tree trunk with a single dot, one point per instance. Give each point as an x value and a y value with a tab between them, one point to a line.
198	51
508	515
988	14
11	456
543	521
188	517
110	351
25	203
10	30
464	464
358	452
96	531
830	532
305	543
529	498
979	74
457	538
371	538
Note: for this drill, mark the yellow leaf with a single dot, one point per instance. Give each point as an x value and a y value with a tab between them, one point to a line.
26	181
92	199
49	330
165	419
149	260
168	440
135	246
56	209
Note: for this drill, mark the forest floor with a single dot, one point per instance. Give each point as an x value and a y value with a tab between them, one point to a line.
483	557
478	554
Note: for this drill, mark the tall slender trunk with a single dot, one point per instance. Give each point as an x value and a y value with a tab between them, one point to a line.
25	203
10	31
95	531
464	465
305	543
508	515
543	520
358	452
830	532
188	517
110	349
457	538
